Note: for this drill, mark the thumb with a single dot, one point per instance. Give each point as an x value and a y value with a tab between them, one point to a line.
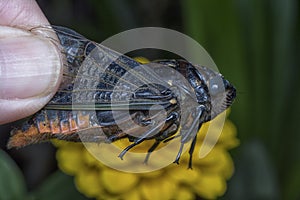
30	71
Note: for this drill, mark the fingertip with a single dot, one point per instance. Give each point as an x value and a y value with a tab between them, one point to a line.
30	73
30	66
21	13
12	110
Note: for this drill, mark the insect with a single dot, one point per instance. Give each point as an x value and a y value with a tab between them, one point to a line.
105	96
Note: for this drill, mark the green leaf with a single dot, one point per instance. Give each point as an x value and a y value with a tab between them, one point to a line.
12	185
58	186
292	182
255	177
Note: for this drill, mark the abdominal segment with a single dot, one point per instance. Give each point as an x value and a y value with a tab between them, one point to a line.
82	126
49	124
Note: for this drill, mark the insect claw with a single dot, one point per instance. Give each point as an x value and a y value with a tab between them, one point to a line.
190	162
146	160
121	155
176	161
179	154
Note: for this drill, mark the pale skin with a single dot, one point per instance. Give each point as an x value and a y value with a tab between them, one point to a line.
30	64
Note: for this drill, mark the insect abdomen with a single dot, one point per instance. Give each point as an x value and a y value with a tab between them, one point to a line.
48	124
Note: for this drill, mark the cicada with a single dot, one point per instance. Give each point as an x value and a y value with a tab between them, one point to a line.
106	96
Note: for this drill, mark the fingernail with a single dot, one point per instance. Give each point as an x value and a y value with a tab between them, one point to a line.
29	66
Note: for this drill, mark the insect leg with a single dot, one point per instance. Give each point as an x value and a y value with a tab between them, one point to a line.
152	148
191	151
170	129
189	133
169	121
179	154
187	136
171	138
140	140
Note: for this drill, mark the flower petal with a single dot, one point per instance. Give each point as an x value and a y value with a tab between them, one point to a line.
218	161
87	182
228	136
160	188
184	193
131	195
210	186
117	182
182	174
69	157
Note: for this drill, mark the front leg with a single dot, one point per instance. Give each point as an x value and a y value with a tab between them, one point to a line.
171	128
154	133
187	135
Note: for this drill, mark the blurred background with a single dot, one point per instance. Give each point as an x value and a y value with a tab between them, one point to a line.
255	44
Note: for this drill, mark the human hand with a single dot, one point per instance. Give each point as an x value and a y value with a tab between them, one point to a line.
30	65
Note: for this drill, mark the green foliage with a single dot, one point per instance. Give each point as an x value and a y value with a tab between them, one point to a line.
58	186
255	44
255	176
12	185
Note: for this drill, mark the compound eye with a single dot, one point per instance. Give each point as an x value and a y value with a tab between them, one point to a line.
216	85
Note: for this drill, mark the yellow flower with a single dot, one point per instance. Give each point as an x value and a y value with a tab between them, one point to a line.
207	179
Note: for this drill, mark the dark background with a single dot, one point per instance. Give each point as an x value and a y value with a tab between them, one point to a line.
255	45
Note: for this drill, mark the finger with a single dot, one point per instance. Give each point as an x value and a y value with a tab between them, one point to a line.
21	13
30	66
